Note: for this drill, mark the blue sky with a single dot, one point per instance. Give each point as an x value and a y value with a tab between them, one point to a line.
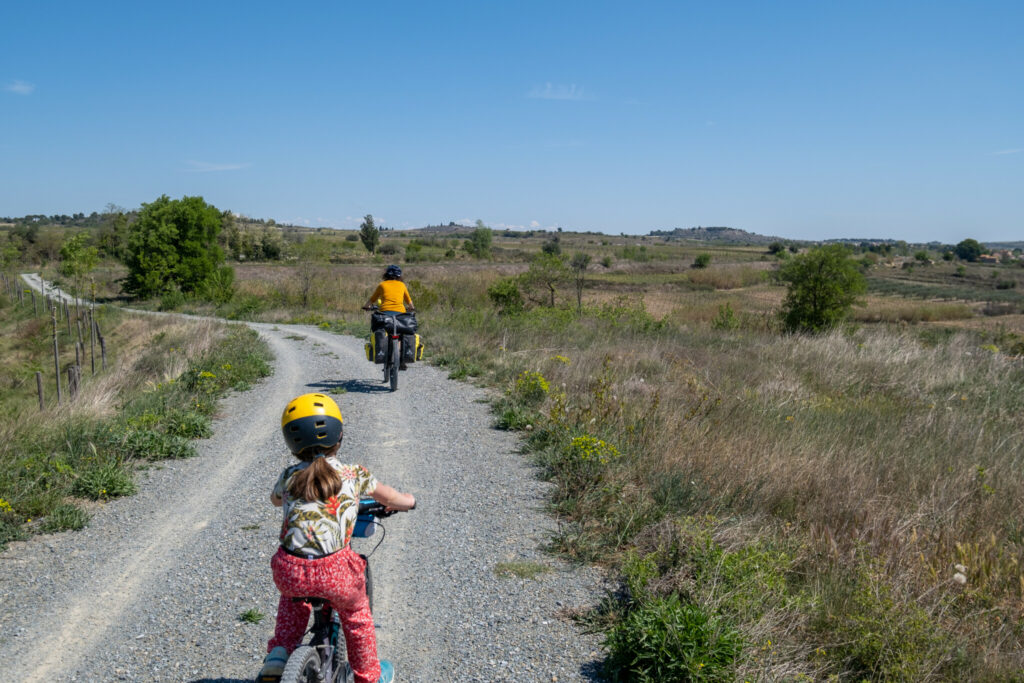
805	120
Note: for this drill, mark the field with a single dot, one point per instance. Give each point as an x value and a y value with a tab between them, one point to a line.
844	505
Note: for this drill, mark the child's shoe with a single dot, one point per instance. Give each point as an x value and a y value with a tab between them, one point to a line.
273	664
387	672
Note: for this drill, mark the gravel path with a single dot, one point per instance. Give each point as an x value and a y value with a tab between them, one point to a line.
162	602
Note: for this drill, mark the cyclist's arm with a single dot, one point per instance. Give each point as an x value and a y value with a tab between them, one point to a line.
394	500
377	294
407	299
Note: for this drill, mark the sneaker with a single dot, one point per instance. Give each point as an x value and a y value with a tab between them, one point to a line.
387	672
402	366
273	664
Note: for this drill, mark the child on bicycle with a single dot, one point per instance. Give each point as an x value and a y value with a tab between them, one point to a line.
321	496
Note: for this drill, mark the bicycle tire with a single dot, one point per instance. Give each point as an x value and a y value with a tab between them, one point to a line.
303	666
394	365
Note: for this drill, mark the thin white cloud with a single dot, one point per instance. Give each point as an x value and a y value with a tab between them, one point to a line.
554	91
534	224
207	167
20	88
1008	151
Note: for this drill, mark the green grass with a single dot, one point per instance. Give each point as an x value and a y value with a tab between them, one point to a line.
251	616
137	416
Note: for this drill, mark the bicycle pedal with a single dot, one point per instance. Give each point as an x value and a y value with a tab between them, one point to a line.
268	679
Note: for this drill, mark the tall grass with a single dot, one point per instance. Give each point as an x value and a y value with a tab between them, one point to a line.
850	473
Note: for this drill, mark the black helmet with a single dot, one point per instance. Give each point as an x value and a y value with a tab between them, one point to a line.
393	272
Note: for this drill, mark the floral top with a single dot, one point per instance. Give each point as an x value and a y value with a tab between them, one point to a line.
321	527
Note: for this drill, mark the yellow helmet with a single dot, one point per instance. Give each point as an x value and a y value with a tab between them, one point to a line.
311	420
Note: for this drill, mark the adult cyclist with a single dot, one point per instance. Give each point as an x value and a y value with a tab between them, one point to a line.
391	297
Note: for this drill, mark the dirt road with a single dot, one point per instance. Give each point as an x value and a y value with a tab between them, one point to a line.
152	589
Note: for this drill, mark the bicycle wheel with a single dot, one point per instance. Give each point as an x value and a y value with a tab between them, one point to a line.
302	667
394	365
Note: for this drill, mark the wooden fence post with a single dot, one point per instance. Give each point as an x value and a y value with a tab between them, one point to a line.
103	348
35	309
78	355
92	342
56	356
39	387
67	317
72	382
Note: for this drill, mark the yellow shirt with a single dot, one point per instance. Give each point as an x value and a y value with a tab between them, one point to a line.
392	295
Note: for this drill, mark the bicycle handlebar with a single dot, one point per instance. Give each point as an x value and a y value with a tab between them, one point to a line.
368	506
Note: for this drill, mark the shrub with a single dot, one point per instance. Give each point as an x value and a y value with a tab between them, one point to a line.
726	318
389	249
664	640
172	300
505	296
530	388
606	261
702	261
219	287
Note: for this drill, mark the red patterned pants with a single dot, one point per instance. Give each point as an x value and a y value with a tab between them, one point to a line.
340	579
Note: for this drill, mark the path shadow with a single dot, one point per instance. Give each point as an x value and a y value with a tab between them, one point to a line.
353	386
221	680
593	671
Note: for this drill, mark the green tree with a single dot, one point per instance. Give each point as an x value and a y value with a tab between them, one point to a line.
113	232
969	250
479	242
702	260
822	286
579	264
541	281
552	246
173	243
369	234
76	259
922	256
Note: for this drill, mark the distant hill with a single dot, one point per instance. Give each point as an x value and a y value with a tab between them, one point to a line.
716	234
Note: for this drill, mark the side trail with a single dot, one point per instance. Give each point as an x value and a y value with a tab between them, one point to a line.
152	589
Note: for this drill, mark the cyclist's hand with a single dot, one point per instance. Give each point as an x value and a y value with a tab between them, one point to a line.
410	309
367	308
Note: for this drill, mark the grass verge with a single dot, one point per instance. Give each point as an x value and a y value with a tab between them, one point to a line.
160	392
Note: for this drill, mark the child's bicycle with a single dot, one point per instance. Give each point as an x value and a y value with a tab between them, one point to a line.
323	658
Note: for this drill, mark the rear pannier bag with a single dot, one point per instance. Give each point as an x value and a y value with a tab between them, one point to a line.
378	321
412	348
380	346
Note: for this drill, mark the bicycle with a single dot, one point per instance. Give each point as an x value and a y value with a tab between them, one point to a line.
393	352
323	658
